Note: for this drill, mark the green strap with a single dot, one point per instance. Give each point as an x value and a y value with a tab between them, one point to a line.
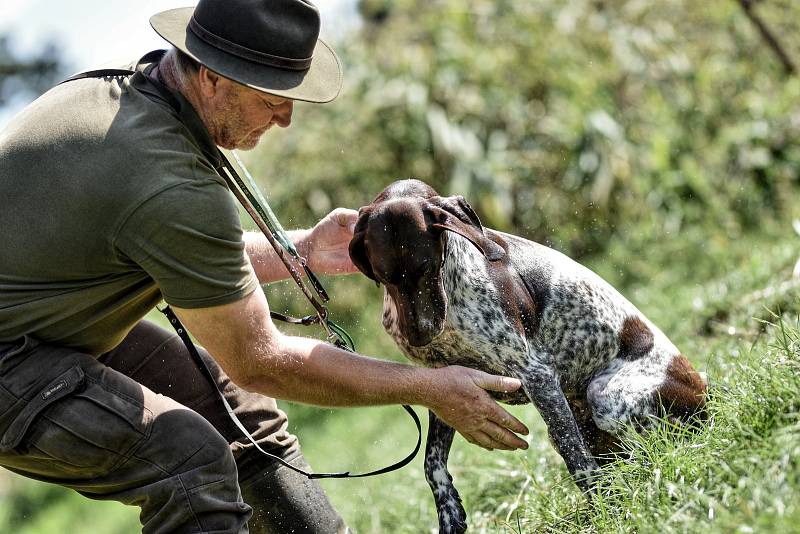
265	211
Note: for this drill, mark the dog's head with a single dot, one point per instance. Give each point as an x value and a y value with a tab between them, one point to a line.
398	242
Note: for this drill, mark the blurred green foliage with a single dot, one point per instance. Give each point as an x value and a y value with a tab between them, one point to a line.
638	137
567	122
657	142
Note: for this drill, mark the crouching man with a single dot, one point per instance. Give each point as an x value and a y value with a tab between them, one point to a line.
112	202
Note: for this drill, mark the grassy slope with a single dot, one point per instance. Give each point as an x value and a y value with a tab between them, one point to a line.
738	474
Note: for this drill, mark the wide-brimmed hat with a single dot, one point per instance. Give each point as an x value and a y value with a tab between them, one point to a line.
269	45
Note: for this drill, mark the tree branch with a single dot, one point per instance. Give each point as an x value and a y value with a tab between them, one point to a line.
766	34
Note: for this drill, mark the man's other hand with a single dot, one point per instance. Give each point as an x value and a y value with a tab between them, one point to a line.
459	397
326	245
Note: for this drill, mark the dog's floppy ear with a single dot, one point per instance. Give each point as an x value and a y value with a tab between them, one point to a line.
456	215
357	248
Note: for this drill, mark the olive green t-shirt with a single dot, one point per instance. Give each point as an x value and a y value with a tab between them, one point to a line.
109	202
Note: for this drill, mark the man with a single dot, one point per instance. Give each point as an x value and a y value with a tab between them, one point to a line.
111	203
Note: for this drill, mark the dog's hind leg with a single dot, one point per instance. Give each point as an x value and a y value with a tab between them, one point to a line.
452	517
623	394
541	385
639	391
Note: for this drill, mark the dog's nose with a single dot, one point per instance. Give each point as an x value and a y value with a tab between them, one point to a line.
421	333
419	340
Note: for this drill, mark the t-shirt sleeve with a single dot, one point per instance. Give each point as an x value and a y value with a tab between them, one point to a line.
188	238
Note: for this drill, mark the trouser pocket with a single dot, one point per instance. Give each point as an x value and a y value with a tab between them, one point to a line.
89	433
25	411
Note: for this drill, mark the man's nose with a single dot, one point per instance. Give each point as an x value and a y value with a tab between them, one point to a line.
283	114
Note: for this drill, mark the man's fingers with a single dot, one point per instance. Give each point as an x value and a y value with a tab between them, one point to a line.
493	436
345	217
482	439
509	440
488	424
503	384
506	420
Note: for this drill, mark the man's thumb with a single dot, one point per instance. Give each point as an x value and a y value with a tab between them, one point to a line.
504	384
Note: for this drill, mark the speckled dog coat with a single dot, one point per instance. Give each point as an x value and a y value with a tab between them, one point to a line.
459	294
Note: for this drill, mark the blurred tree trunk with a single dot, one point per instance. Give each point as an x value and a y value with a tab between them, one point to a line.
768	36
33	74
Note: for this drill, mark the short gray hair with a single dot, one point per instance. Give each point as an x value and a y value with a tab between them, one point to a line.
184	66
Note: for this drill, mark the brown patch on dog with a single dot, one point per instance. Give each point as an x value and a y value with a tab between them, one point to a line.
635	339
683	393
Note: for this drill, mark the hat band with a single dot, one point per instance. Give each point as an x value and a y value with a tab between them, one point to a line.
247	53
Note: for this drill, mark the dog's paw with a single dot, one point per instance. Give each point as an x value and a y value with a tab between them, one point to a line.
586	479
453	523
452	517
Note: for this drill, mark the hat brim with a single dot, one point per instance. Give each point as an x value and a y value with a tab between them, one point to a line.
320	83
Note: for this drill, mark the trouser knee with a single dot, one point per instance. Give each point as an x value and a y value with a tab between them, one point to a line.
286	501
201	492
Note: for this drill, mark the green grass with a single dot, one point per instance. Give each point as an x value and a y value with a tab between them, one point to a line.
717	300
737	474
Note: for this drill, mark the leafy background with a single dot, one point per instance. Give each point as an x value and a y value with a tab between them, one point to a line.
657	143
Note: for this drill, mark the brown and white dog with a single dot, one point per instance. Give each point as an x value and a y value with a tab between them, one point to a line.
456	293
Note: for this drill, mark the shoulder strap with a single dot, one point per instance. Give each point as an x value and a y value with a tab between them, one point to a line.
99	73
149	57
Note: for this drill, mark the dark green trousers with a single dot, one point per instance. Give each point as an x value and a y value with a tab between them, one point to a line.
141	425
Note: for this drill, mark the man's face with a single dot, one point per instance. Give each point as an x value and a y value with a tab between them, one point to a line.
242	115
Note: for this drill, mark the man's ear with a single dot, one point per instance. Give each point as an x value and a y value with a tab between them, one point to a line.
208	81
358	248
454	214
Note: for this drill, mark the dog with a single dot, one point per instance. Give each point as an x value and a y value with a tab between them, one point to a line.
456	293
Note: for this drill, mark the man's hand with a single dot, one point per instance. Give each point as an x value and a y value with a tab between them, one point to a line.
458	396
326	245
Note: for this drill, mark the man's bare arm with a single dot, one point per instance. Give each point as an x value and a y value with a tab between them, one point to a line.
258	357
324	246
266	263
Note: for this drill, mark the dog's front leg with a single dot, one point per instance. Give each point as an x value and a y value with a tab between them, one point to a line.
541	385
452	517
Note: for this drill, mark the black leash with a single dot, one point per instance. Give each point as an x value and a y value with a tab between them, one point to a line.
265	220
183	334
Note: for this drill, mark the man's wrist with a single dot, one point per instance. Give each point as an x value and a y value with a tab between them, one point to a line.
418	386
301	242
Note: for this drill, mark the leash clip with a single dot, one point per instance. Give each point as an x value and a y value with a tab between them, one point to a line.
309	320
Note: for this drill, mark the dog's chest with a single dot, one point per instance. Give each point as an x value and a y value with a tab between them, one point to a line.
477	333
